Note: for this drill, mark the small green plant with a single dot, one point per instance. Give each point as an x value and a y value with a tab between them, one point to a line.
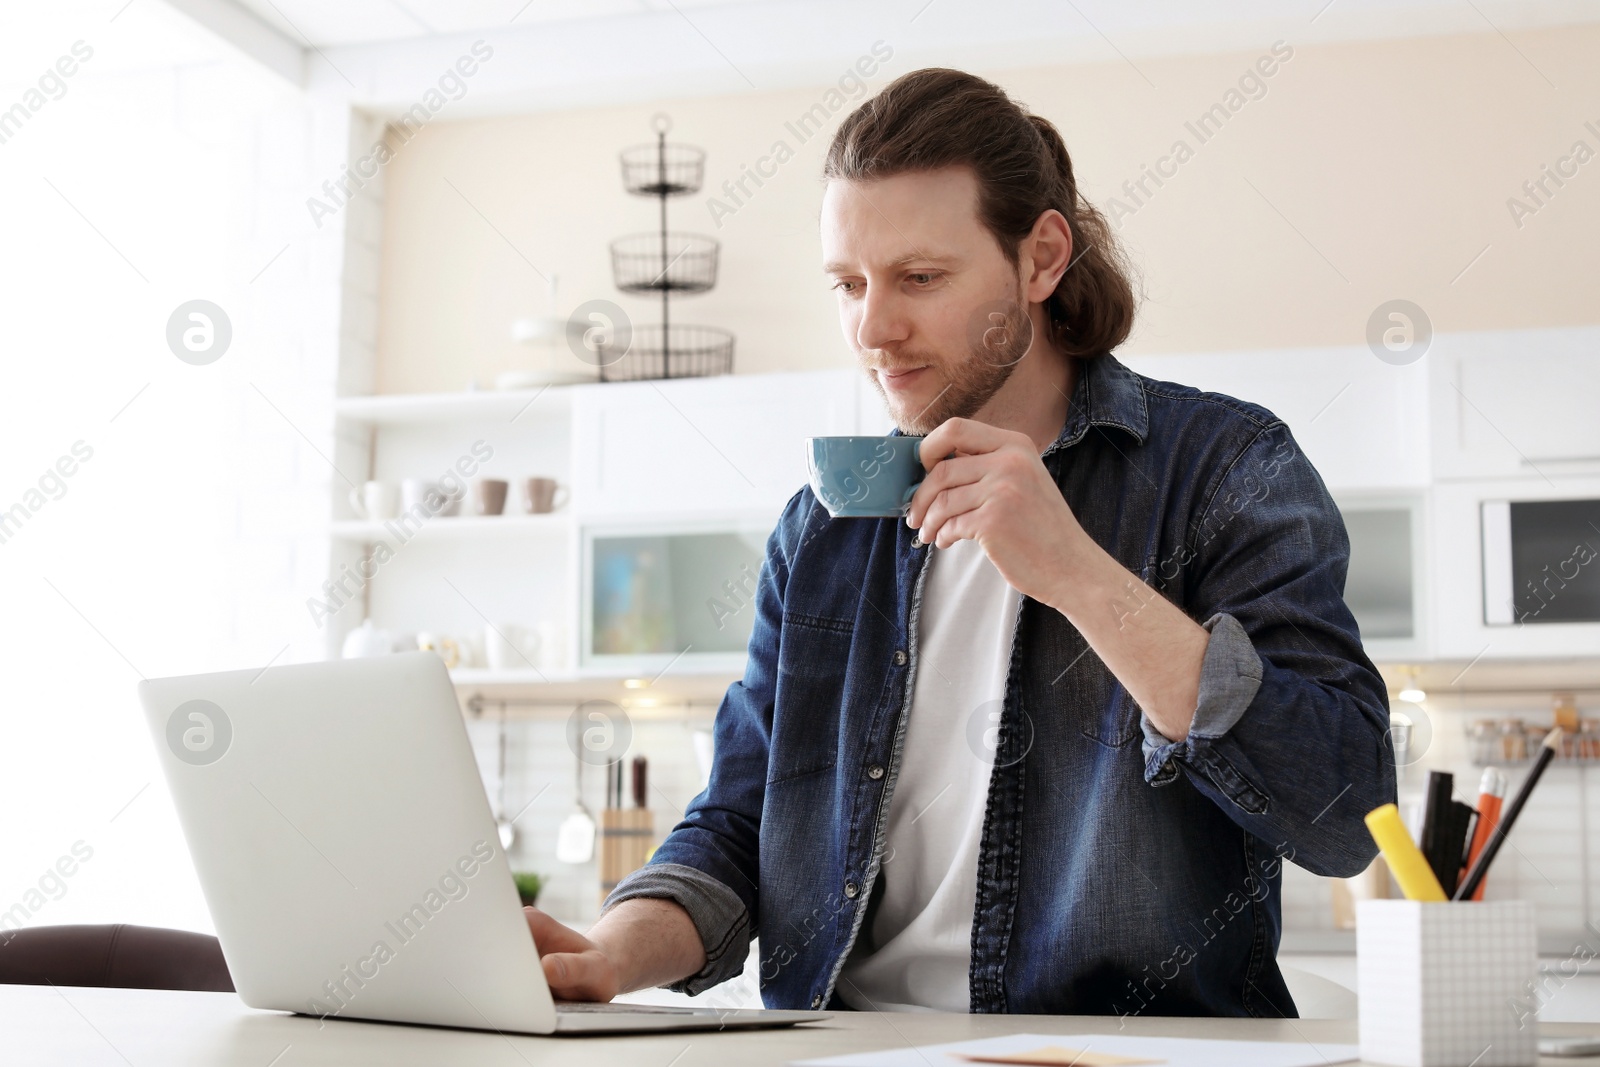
528	885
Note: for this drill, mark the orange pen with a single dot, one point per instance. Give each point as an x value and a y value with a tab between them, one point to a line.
1491	795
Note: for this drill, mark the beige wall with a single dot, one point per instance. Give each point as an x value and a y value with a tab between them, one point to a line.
1379	170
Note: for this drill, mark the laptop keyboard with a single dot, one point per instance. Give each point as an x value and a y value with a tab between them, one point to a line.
598	1008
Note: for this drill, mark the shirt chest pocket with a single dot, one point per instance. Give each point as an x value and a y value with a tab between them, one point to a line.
1110	715
813	662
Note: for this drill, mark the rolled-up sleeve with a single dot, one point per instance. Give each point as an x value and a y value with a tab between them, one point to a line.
1289	735
719	917
1230	674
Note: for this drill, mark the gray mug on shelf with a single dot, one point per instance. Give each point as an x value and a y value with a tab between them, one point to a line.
540	496
489	496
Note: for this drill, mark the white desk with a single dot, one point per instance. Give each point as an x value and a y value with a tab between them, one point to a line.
147	1028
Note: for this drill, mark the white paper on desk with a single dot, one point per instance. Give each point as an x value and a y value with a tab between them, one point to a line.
1172	1051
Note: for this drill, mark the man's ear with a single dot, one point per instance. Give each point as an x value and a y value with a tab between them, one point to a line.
1046	254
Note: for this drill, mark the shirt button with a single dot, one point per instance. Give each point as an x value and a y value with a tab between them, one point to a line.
816	1002
899	657
874	772
851	889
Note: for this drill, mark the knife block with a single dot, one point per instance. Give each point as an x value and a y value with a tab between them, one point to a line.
627	837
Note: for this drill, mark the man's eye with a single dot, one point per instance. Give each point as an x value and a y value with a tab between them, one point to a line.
923	277
844	286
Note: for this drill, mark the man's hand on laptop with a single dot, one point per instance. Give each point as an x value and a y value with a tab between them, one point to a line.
574	967
637	944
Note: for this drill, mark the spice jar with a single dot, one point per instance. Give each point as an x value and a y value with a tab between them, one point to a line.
1482	743
1513	741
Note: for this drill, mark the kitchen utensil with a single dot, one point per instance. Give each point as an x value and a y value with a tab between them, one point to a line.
575	837
703	751
374	500
503	822
641	771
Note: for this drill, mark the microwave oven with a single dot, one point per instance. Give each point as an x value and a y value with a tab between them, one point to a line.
1541	561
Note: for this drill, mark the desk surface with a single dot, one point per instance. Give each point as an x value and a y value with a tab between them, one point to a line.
123	1027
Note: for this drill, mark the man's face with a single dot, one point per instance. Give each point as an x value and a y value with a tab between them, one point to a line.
927	300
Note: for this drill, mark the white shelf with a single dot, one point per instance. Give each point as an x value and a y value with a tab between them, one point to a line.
489	405
444	527
667	695
476	676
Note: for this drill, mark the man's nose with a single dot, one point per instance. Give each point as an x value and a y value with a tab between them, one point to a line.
883	321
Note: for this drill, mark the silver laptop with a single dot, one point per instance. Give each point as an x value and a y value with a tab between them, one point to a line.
349	857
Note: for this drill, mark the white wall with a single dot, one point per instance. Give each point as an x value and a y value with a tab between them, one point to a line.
1362	172
190	537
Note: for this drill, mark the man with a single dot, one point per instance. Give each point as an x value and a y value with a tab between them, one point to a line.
1044	746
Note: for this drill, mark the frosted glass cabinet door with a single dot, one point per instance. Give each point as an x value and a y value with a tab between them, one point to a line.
1386	586
730	443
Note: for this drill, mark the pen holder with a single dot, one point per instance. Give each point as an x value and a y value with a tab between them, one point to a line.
626	835
1447	983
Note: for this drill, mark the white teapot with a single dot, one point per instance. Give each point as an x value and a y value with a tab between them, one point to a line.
367	640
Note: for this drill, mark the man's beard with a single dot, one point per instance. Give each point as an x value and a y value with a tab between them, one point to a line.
999	335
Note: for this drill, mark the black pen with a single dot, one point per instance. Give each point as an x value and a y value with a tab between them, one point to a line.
1552	741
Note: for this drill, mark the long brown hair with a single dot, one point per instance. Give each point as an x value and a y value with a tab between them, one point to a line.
937	117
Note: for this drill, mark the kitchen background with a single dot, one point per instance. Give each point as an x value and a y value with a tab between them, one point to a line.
386	326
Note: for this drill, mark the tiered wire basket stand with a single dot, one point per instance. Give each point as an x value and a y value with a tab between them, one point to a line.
666	262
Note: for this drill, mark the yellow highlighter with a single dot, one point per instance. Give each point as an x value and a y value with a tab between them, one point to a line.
1405	859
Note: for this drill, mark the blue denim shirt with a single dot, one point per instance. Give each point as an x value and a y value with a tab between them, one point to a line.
1120	873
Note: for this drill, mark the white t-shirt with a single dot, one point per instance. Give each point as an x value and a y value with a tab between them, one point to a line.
918	952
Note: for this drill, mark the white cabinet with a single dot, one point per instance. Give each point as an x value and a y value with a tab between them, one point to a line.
1362	422
729	444
1516	403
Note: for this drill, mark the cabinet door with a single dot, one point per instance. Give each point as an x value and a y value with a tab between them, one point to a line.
1362	422
1517	403
728	444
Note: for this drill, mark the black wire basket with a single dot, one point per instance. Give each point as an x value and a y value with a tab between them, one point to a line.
663	169
664	262
681	351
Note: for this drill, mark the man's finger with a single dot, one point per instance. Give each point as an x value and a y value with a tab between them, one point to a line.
960	435
551	936
962	470
576	976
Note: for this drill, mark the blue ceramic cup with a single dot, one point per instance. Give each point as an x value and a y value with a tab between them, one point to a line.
864	477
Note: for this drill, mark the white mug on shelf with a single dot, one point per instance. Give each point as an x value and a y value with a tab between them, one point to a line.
374	501
509	647
553	645
414	492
